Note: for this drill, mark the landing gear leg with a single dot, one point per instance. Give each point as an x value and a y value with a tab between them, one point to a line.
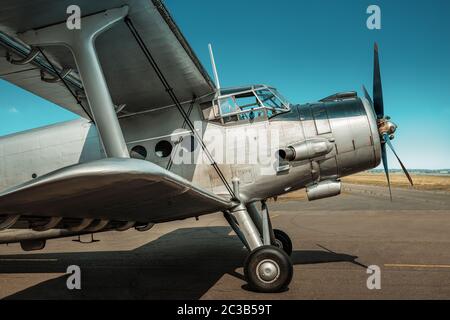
278	238
267	267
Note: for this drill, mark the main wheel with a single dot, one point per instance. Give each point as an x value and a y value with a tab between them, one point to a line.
268	269
283	241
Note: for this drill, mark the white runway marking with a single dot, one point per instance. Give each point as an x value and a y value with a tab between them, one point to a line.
424	266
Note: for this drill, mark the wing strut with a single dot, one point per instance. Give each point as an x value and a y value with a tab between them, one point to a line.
175	100
82	44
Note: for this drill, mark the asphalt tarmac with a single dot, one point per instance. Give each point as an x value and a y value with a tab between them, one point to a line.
335	241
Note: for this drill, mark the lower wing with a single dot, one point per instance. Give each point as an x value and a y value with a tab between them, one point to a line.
111	190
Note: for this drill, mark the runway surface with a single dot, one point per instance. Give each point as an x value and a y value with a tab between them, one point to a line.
335	240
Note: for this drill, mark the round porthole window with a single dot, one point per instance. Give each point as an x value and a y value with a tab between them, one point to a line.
163	149
138	152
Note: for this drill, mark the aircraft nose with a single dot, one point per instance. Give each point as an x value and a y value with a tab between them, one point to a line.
392	127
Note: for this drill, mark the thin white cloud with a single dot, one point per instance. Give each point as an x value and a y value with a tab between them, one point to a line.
13	110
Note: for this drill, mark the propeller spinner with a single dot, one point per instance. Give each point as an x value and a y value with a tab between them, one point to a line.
386	127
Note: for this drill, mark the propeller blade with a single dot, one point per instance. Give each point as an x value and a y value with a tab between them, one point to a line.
388	141
386	168
377	86
367	95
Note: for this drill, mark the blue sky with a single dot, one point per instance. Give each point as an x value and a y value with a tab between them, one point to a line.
309	50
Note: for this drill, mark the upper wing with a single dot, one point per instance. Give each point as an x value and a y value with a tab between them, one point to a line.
111	189
129	76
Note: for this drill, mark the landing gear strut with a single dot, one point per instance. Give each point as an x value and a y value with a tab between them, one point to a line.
268	267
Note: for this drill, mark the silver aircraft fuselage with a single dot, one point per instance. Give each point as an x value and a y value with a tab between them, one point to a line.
348	124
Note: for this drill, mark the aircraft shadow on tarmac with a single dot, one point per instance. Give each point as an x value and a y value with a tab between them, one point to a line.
183	264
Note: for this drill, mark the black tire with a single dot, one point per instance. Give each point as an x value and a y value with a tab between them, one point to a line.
262	280
283	241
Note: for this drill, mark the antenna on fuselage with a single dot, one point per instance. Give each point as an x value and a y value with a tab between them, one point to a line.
213	63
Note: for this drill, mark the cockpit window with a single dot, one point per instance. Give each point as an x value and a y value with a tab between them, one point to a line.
241	107
228	106
247	104
269	99
283	100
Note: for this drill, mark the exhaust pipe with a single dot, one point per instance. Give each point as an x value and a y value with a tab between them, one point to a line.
82	225
126	226
306	150
99	225
51	224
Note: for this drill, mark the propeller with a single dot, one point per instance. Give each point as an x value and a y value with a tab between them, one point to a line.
386	127
377	86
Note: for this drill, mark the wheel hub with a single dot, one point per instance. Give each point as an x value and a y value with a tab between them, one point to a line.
268	271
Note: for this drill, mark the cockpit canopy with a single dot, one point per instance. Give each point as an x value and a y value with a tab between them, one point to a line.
259	102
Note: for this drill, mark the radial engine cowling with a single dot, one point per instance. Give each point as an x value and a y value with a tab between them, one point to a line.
308	149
